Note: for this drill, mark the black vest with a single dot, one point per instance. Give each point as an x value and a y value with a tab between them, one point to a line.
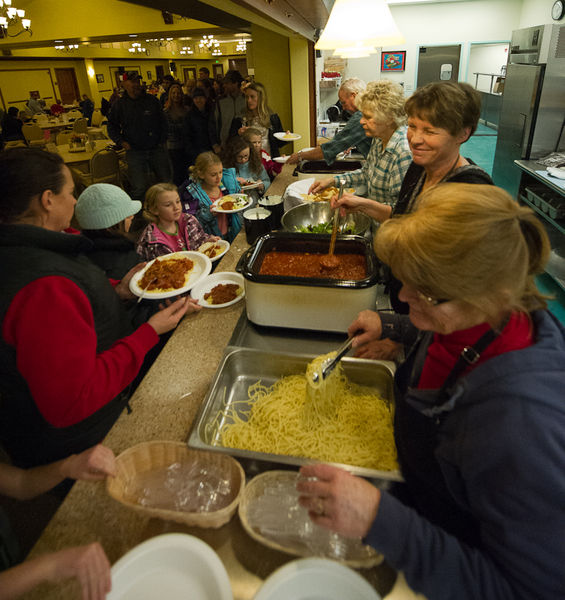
26	254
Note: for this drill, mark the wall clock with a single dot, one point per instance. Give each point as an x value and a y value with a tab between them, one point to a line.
558	10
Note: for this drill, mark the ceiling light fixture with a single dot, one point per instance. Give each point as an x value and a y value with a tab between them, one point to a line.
186	50
209	42
241	46
359	24
67	48
136	47
10	16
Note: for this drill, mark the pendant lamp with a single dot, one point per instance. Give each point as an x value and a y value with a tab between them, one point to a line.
351	22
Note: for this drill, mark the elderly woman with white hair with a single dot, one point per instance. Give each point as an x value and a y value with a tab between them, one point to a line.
351	136
382	107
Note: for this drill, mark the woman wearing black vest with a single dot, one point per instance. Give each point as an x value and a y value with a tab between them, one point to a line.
68	350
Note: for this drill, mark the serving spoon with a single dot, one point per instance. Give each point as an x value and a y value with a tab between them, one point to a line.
331	261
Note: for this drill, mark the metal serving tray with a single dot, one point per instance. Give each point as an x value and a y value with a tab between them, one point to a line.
241	367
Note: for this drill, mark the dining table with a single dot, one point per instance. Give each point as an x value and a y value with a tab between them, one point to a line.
164	407
81	159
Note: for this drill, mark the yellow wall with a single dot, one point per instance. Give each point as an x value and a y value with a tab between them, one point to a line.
300	91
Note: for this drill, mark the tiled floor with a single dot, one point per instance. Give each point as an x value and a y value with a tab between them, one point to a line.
481	146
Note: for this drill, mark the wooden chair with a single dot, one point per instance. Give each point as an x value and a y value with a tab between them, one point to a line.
64	137
33	135
104	168
80	125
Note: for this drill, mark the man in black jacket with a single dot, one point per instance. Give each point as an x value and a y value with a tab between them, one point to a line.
138	124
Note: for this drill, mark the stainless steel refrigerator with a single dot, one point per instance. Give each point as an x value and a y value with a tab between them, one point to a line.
533	101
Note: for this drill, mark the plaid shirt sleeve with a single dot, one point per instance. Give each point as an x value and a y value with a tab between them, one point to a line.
195	235
352	134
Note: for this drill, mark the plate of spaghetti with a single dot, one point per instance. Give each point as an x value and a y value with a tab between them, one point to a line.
170	275
232	203
219	290
214	250
287	136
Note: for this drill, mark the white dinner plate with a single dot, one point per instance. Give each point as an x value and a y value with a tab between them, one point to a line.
217	205
204	286
202	267
287	137
173	566
281	159
251	186
224	244
558	172
316	579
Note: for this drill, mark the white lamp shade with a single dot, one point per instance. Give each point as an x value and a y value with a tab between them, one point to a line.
367	21
358	51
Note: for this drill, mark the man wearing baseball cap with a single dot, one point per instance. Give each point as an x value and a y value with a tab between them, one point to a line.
138	124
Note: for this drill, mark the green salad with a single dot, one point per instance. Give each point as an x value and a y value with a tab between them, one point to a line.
322	228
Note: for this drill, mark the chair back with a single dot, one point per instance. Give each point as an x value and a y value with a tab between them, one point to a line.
96	119
74	114
32	132
64	137
105	167
80	125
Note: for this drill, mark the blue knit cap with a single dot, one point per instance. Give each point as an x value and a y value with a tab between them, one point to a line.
102	205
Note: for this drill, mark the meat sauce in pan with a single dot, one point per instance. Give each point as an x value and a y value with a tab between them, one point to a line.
305	264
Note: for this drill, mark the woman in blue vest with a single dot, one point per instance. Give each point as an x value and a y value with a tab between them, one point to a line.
68	351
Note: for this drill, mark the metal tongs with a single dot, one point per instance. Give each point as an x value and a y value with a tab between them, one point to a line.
330	363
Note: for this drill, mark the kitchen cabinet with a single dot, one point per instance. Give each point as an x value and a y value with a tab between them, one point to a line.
545	195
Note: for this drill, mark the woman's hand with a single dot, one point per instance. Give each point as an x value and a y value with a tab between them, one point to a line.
241	181
122	289
338	500
241	130
366	328
293	158
88	564
380	350
349	203
91	465
320	185
169	316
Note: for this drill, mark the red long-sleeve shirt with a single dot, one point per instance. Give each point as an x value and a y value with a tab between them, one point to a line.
51	325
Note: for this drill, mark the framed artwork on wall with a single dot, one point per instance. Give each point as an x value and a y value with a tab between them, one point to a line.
393	61
149	75
99	78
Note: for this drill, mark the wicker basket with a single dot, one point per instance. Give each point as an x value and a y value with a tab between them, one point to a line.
152	456
356	554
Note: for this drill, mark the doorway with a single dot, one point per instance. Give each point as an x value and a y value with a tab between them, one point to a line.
189	73
238	64
438	63
68	86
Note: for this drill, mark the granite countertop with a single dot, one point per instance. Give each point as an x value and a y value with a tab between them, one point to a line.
164	406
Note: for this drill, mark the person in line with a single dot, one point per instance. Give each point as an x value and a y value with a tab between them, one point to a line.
209	181
169	230
259	115
88	563
176	111
351	136
87	108
57	108
138	124
12	125
68	350
166	84
382	107
479	415
240	155
253	136
196	127
104	213
228	108
203	73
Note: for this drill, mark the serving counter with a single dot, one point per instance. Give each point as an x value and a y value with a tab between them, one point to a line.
163	408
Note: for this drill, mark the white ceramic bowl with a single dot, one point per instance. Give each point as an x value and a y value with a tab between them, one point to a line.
206	284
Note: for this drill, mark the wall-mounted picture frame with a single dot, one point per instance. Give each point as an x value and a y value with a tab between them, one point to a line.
393	61
149	76
99	78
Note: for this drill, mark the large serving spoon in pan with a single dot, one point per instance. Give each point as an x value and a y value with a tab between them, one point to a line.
331	261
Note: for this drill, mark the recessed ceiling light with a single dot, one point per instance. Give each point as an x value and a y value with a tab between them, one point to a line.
132	35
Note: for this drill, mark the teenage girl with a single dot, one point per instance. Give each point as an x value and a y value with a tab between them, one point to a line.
240	154
253	136
210	181
171	230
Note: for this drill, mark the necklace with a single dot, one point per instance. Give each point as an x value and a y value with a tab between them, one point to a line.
446	175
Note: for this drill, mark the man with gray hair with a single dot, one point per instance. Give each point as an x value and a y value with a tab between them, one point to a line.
352	135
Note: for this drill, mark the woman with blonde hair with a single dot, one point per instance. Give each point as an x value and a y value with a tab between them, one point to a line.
176	111
259	115
479	412
208	182
382	105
